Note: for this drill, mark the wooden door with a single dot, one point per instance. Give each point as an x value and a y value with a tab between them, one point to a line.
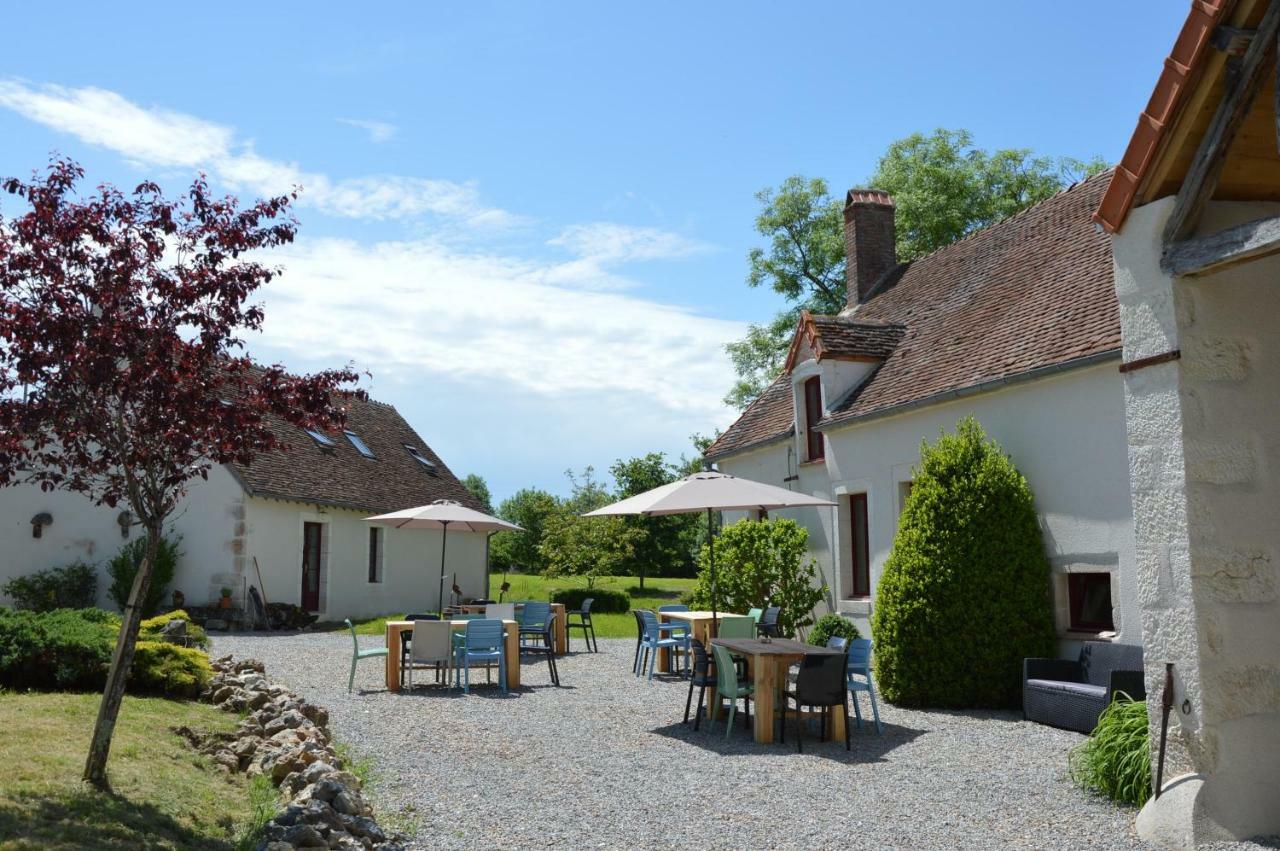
311	549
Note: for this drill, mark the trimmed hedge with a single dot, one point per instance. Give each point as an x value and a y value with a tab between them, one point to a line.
829	625
964	596
71	649
607	602
73	586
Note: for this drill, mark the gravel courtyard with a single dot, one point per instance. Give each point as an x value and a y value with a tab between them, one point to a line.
604	761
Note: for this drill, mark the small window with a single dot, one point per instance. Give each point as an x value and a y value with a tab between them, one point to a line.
812	415
860	586
1089	598
360	445
319	437
904	493
419	457
375	554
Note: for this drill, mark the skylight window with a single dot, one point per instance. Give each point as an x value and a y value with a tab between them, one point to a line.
320	437
360	445
419	457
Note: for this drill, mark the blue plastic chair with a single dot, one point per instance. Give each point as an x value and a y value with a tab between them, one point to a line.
837	642
482	642
653	639
859	679
534	619
674	607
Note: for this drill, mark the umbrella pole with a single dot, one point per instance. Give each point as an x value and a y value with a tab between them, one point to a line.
711	549
444	540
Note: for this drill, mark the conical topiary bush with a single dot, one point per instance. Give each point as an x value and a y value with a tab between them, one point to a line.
964	596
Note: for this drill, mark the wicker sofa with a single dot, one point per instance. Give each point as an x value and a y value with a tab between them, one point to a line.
1071	693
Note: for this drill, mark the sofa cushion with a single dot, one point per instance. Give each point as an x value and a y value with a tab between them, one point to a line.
1085	689
1098	659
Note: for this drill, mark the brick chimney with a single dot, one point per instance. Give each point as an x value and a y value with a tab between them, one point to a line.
869	241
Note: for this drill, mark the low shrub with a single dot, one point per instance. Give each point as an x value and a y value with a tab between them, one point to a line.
123	567
150	630
71	649
73	586
1116	758
606	602
61	649
829	625
163	668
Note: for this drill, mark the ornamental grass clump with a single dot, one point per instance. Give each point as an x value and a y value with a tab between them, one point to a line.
1116	759
964	596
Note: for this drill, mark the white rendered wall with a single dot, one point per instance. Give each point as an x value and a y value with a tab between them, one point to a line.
208	525
411	560
1205	465
1066	433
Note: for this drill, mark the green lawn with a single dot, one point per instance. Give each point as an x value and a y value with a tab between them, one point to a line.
165	795
657	592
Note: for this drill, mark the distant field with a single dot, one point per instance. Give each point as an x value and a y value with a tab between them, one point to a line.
657	592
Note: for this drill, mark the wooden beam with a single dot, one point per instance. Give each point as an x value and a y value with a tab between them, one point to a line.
1232	40
1206	254
1202	177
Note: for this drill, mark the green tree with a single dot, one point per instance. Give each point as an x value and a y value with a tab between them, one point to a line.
662	547
763	563
529	509
944	188
964	596
591	547
479	489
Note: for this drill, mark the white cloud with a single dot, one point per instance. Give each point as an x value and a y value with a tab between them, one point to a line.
608	242
379	131
410	311
164	138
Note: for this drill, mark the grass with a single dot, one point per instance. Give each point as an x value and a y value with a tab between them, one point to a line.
164	795
657	592
1116	758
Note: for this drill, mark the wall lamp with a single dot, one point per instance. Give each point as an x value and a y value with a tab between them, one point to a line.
124	520
38	523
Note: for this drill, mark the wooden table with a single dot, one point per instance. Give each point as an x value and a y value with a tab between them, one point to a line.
702	626
561	637
394	628
769	662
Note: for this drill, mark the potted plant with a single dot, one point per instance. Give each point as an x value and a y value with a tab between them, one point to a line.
225	602
179	599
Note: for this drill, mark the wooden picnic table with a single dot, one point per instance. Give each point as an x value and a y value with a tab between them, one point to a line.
702	626
769	662
561	637
395	628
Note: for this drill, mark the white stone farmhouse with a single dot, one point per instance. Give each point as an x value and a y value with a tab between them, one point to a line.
299	513
1195	213
1016	325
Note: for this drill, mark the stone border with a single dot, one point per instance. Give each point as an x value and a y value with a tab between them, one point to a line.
287	739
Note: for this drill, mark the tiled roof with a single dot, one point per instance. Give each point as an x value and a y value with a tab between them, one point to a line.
340	476
857	338
1029	293
765	420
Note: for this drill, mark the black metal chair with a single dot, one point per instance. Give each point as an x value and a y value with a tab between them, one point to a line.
406	639
821	683
769	623
547	645
701	679
636	664
584	623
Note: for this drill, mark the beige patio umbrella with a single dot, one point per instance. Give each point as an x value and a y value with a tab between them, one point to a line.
710	491
442	514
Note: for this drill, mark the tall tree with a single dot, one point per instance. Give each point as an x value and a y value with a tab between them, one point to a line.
944	188
528	508
663	543
479	489
120	372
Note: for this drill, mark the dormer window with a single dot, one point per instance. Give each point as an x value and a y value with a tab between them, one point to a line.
814	449
320	438
360	445
419	457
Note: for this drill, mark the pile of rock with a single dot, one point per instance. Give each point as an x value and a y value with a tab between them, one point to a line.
287	739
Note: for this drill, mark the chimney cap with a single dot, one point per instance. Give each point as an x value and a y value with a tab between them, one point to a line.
868	196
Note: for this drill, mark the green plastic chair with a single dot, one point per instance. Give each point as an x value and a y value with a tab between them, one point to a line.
358	654
736	626
727	685
755	614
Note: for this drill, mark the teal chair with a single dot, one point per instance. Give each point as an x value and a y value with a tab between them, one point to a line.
736	626
755	614
357	654
858	677
727	685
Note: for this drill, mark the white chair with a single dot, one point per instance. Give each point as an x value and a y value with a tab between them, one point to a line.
500	611
432	645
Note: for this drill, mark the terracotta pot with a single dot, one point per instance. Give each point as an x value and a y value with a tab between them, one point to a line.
179	599
224	602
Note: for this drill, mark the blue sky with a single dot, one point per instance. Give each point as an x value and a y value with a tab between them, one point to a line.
529	221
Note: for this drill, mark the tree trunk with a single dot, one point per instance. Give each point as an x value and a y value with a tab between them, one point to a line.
95	767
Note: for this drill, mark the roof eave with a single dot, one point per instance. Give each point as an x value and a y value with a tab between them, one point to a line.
752	446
